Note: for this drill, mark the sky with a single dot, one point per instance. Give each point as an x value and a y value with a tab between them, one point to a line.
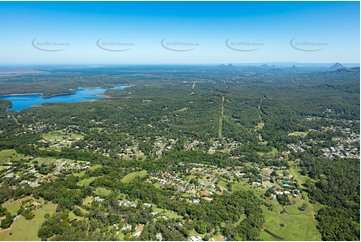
179	32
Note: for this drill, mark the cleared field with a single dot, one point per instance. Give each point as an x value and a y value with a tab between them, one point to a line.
239	186
9	155
12	206
166	212
273	152
101	191
60	135
292	225
194	233
94	167
86	182
298	134
72	216
132	175
88	200
50	160
79	174
59	139
23	229
222	184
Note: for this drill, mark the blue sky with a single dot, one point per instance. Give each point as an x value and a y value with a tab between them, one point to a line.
192	32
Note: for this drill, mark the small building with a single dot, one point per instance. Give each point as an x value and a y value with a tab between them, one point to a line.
128	227
147	205
205	193
208	199
196	201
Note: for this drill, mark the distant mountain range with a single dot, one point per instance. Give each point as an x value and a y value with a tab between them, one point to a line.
293	68
336	66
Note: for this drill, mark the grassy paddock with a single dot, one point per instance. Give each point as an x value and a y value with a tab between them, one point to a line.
132	175
60	135
85	182
12	206
9	155
101	191
297	225
166	212
23	229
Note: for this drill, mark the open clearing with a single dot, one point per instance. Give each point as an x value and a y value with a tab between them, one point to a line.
12	206
298	134
132	175
88	200
166	212
86	182
9	155
297	225
182	109
273	152
60	135
101	191
23	229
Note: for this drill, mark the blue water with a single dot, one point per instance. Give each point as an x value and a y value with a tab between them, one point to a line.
21	102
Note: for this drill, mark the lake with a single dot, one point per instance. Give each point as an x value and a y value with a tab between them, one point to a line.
21	102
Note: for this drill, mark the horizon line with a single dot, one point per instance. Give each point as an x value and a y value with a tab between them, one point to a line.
173	64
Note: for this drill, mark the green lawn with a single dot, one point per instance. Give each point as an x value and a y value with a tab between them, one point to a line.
194	233
72	216
273	152
298	225
6	154
94	167
101	191
217	238
302	180
82	210
86	182
23	229
132	175
88	200
59	135
12	206
120	235
166	212
51	160
79	174
239	186
243	216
